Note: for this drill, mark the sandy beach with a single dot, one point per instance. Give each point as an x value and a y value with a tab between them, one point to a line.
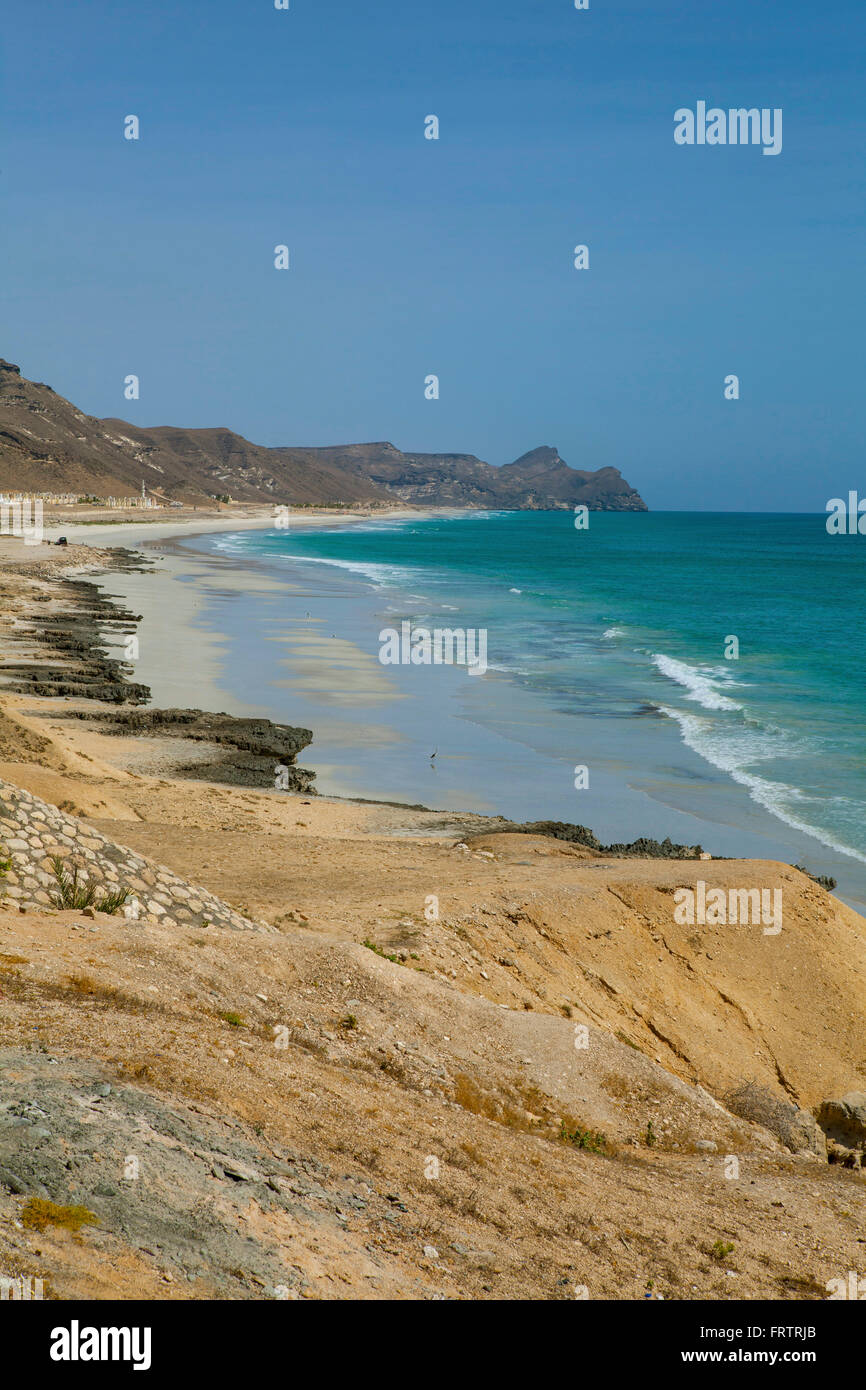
298	643
432	781
429	973
131	531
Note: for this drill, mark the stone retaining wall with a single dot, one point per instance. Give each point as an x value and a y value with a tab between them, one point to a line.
32	832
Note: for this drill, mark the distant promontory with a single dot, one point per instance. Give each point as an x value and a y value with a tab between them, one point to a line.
47	445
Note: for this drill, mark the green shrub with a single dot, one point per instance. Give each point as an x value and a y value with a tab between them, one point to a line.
73	892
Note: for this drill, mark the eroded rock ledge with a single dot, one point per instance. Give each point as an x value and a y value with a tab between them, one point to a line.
581	835
260	746
64	656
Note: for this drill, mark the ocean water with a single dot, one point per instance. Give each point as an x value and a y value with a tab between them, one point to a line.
607	648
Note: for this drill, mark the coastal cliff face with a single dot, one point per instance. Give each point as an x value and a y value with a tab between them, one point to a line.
48	445
538	481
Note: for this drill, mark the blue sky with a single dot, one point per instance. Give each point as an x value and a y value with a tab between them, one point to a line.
453	257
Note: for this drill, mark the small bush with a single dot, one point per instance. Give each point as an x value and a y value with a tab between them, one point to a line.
74	892
38	1213
752	1101
104	996
594	1143
377	950
113	901
85	984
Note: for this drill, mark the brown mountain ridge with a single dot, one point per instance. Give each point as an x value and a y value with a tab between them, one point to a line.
48	445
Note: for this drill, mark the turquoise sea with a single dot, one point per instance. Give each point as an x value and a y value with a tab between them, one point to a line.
606	649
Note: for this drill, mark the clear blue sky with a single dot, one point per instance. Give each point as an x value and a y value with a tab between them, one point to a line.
454	257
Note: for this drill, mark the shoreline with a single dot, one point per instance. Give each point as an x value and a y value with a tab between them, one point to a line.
408	1031
160	530
127	709
496	729
194	662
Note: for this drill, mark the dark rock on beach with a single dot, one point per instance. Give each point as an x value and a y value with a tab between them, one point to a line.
580	835
653	849
78	665
258	751
824	880
72	662
560	830
101	681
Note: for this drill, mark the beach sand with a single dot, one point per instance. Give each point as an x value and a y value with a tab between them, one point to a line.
430	973
500	749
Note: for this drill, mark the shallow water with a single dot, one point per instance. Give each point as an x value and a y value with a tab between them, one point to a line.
606	649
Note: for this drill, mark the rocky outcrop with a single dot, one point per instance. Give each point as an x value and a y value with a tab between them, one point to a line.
844	1123
258	752
77	664
544	480
177	1199
538	481
805	1134
581	835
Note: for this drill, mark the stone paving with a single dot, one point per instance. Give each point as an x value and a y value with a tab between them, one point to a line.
33	833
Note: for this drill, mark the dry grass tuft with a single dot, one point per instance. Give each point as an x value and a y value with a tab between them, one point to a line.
38	1213
751	1101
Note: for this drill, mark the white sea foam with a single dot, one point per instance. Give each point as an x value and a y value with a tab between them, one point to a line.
231	540
612	632
733	753
701	682
378	574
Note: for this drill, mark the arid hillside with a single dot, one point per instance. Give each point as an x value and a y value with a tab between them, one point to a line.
48	445
521	1098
